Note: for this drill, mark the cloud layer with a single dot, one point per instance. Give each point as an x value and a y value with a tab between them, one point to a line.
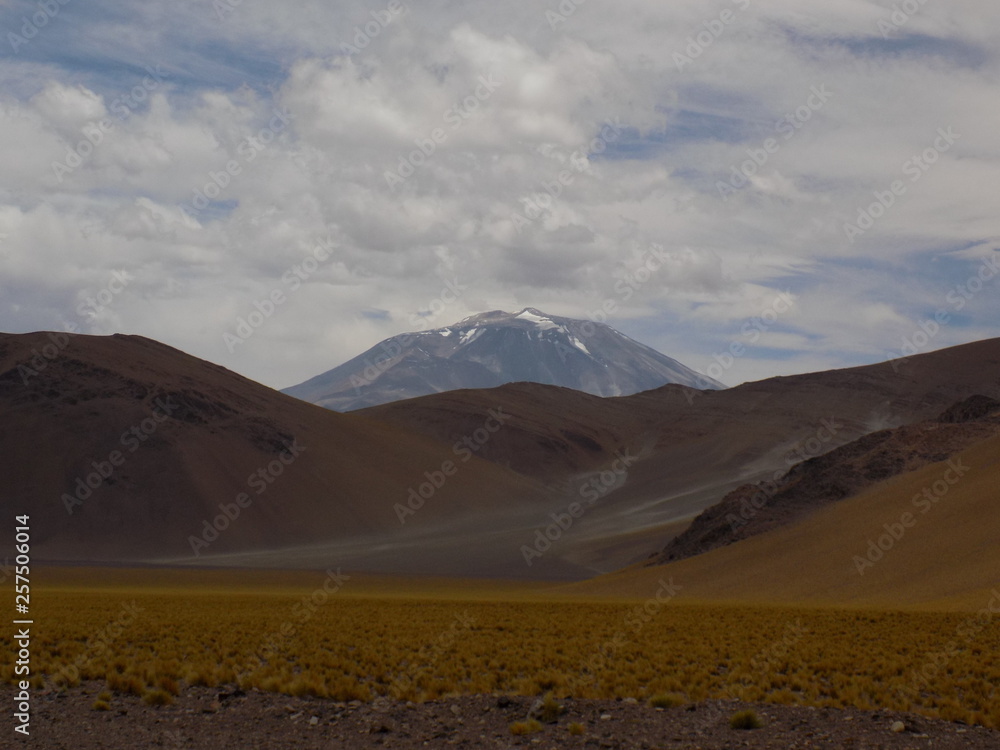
330	170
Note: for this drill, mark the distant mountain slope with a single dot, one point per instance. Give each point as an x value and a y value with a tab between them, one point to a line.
886	547
692	447
495	348
167	442
753	509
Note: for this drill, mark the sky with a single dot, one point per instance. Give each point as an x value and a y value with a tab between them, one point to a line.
753	187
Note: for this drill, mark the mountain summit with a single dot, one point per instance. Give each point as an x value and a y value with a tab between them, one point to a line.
494	348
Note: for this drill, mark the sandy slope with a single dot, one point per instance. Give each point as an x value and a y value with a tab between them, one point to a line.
946	554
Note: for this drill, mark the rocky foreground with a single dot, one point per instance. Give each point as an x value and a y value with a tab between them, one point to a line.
213	718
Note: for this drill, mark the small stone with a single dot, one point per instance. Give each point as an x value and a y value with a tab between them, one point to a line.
898	727
314	721
456	710
605	717
631	700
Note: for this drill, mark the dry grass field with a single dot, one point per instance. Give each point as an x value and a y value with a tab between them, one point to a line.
149	633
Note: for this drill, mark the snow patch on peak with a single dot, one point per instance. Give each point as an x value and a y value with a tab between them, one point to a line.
471	335
579	345
533	316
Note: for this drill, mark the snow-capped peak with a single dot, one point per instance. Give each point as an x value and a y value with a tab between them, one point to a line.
537	317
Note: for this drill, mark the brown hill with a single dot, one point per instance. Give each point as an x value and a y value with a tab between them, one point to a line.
926	538
756	508
164	440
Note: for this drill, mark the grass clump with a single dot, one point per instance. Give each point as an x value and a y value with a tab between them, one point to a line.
170	684
101	705
157	697
666	700
531	726
576	728
745	720
546	710
127	684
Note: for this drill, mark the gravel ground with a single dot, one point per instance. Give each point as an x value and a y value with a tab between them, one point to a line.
217	719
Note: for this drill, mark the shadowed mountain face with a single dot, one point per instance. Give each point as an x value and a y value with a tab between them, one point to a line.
121	448
495	348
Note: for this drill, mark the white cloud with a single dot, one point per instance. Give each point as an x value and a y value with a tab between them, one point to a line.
523	112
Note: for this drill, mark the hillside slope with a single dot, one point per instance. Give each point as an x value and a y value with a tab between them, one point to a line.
756	508
926	538
178	437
